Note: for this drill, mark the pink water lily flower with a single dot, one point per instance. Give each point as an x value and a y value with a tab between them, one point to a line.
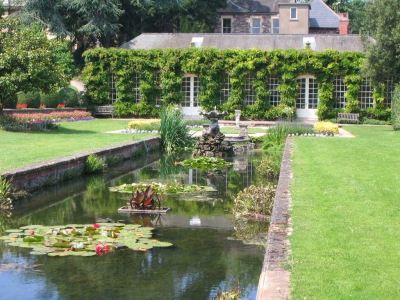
98	249
95	225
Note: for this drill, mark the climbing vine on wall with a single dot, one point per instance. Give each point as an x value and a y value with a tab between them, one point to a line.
161	73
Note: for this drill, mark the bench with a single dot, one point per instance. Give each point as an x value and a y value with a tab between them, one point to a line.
348	117
106	110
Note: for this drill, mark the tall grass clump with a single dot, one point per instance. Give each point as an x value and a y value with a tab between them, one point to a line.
5	191
396	108
95	164
174	133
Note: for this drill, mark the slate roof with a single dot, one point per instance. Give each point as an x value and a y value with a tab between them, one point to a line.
252	6
319	42
322	16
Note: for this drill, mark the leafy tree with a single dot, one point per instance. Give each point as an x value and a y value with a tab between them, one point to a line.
384	26
30	61
356	10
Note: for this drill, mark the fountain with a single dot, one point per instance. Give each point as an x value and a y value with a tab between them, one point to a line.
212	143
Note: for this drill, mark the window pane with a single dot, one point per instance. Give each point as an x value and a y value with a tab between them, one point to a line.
275	25
293	13
256	22
226	26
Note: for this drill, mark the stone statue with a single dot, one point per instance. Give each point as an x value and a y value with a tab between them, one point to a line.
213	116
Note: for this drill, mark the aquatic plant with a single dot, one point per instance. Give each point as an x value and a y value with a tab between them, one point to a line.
95	164
205	163
255	202
174	133
5	191
161	188
82	240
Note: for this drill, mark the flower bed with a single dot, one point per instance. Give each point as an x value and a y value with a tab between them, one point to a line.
41	121
55	116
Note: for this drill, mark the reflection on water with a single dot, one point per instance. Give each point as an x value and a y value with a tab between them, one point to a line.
205	257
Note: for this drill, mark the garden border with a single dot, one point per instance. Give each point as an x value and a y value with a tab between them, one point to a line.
274	280
34	177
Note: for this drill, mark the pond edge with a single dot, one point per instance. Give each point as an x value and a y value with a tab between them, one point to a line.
274	282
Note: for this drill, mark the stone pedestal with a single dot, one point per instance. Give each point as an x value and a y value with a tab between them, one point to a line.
243	132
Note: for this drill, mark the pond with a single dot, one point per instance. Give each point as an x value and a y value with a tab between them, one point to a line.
206	257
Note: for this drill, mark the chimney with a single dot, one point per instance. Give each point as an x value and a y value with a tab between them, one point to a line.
344	23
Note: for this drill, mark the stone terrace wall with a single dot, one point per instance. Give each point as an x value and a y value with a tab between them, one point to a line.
32	178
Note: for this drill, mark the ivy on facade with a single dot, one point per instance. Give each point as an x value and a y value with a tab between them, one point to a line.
160	72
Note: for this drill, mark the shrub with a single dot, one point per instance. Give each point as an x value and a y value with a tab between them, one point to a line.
11	102
50	100
146	124
173	129
68	96
396	108
95	164
326	127
31	98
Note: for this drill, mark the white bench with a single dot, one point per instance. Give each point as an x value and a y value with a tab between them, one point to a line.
106	110
348	117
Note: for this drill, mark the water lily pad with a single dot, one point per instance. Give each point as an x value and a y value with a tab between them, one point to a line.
37	253
14	230
53	254
31	227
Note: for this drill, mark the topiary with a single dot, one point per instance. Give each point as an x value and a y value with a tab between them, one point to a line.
50	100
396	108
30	98
68	96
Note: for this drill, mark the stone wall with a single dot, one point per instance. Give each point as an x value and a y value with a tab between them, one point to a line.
241	23
32	178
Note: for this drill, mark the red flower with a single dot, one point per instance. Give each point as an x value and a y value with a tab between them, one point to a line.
32	232
95	225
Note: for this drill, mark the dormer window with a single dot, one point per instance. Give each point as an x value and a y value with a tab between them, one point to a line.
293	13
255	25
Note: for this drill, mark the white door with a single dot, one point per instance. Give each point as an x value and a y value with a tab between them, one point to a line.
190	89
307	98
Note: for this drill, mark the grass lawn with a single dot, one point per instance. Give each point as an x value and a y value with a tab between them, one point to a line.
19	149
346	216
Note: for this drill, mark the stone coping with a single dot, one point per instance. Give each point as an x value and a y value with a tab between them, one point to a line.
274	283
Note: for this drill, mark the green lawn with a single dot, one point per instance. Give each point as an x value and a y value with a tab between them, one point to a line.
19	149
346	216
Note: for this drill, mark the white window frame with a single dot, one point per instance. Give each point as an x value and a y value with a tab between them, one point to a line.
252	28
293	13
222	24
249	92
365	94
159	98
307	95
225	91
113	96
136	86
275	29
274	97
191	90
339	93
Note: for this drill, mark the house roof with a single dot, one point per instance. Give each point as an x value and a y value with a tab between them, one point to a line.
252	6
322	16
317	42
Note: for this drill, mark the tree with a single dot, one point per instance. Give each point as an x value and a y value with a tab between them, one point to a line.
356	10
384	26
30	62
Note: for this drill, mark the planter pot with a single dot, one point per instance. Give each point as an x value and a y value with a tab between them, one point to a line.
128	209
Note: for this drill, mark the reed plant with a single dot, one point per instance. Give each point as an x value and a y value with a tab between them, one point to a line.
174	133
5	191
